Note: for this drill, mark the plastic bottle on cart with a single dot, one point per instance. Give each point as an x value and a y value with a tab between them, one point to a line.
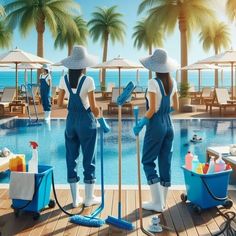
188	160
199	169
195	163
33	162
220	164
211	168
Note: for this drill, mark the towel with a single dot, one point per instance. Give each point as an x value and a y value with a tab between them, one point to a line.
21	185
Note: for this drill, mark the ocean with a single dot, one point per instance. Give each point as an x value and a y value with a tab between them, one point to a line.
7	78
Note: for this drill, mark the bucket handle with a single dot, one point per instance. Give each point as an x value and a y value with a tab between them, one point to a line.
212	194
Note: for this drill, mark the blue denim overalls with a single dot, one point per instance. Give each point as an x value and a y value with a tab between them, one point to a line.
158	143
81	130
45	94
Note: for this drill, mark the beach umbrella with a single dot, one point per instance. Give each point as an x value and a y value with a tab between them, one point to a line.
227	57
29	66
199	66
118	63
17	56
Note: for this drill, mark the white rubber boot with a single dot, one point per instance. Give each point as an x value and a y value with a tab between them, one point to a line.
75	195
90	198
157	199
47	115
164	192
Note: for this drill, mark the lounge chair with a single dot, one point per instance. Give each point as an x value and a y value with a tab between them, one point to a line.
8	96
112	106
221	99
108	92
206	95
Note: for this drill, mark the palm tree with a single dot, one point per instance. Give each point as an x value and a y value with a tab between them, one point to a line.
189	14
145	37
106	24
38	14
5	32
231	10
71	36
216	35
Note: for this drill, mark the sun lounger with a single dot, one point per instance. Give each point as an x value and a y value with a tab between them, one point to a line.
112	106
108	92
8	96
222	100
54	96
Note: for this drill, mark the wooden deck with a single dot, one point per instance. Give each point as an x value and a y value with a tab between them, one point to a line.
54	222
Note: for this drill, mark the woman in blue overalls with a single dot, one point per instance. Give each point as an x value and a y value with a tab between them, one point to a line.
159	135
81	125
45	91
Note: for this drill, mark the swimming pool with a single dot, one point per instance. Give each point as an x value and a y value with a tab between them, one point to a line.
16	135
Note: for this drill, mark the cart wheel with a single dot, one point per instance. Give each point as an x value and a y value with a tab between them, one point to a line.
51	204
228	204
183	197
16	212
197	209
36	216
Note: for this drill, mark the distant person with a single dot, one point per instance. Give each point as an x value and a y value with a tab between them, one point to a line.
45	90
159	135
195	138
81	125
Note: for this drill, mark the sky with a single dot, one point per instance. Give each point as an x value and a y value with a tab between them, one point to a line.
129	10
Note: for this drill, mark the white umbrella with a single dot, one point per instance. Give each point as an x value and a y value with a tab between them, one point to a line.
199	66
227	57
29	66
17	56
119	63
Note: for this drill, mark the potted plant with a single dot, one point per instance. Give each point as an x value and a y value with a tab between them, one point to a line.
184	98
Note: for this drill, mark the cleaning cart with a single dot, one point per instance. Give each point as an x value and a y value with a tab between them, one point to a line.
206	190
41	196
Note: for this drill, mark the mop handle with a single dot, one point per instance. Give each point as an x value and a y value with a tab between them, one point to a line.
136	111
120	161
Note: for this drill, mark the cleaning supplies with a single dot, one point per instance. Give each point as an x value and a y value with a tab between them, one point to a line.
220	164
188	160
199	169
195	163
17	163
33	163
211	168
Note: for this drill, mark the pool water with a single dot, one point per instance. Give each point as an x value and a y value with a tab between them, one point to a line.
16	135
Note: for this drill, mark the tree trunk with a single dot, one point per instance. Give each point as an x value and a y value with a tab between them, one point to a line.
40	27
150	53
184	45
70	46
104	58
216	72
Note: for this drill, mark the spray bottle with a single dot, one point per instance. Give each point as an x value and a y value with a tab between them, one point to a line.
211	168
33	162
188	160
220	164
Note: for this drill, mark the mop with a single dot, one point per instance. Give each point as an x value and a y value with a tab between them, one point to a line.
136	110
118	222
91	219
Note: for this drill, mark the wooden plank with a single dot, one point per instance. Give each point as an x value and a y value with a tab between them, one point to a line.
131	211
62	196
104	230
184	213
166	219
63	219
175	215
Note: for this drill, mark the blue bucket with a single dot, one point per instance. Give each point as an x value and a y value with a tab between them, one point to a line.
197	192
43	183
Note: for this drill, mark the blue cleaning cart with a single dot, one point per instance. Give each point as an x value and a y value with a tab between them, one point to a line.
41	197
206	190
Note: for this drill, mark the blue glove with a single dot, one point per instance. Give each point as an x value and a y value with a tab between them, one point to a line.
137	128
104	125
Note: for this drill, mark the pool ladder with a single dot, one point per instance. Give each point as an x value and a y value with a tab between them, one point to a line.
29	94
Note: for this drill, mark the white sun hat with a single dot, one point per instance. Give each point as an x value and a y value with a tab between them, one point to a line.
159	62
79	59
46	67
